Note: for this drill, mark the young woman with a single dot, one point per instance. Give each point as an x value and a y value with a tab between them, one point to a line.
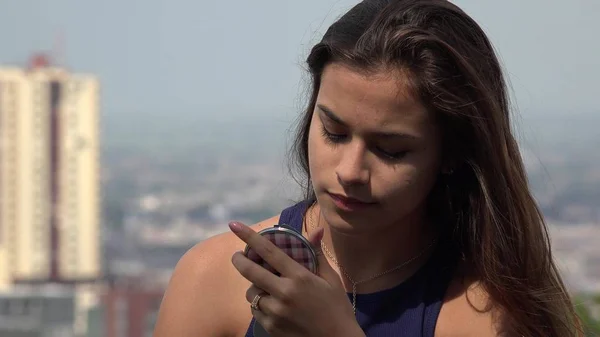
415	190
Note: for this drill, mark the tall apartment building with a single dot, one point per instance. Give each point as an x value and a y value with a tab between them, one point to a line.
49	176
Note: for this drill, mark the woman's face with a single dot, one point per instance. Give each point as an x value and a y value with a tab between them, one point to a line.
374	150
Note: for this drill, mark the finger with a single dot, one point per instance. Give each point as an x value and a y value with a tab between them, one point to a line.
274	256
264	321
259	314
266	303
268	306
325	269
255	273
252	292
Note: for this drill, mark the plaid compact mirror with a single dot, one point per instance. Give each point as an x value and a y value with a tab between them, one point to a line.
291	242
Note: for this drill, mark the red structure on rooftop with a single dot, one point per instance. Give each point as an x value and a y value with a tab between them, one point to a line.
39	60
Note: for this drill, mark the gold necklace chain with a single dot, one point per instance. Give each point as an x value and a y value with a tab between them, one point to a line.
371	278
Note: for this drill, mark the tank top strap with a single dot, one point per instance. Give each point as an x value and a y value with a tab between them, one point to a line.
440	275
293	216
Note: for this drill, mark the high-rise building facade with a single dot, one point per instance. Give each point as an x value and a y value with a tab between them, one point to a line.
49	176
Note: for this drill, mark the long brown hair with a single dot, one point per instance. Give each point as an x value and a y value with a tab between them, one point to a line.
485	206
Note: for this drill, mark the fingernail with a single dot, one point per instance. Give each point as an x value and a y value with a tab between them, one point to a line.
235	227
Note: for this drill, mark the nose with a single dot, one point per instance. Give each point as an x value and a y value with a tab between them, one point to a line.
352	168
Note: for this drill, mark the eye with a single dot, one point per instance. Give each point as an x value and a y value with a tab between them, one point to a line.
337	138
391	156
332	137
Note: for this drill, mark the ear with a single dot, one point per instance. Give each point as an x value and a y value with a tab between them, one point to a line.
448	161
448	170
450	165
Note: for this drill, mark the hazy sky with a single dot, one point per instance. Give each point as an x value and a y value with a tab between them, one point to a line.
172	57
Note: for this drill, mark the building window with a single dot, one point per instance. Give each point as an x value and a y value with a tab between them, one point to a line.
5	307
122	317
73	120
19	307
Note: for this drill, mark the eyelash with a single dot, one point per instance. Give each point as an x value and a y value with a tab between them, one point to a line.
332	138
335	139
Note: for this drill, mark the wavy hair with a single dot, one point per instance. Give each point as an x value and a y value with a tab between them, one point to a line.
485	206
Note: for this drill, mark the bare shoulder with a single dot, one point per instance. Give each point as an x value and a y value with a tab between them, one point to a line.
469	311
206	295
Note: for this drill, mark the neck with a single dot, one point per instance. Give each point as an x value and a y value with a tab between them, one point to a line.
361	259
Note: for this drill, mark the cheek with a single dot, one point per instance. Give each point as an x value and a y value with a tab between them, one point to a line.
396	184
317	155
408	186
404	194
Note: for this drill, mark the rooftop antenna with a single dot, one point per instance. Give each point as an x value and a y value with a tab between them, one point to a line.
58	50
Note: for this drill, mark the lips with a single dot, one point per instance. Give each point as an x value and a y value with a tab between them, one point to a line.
348	199
349	203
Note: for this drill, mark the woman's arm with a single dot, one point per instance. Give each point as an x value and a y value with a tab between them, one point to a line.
203	294
206	295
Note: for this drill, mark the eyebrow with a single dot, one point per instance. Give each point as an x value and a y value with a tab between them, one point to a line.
331	115
336	119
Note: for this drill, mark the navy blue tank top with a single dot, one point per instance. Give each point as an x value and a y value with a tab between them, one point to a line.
408	309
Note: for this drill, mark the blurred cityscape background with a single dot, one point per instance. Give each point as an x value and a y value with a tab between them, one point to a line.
129	131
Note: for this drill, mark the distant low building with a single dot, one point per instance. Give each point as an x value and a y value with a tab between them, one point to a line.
37	312
130	308
577	253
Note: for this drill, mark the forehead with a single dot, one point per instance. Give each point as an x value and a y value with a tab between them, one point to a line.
377	99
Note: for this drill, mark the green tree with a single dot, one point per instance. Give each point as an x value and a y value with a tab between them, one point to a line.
591	325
